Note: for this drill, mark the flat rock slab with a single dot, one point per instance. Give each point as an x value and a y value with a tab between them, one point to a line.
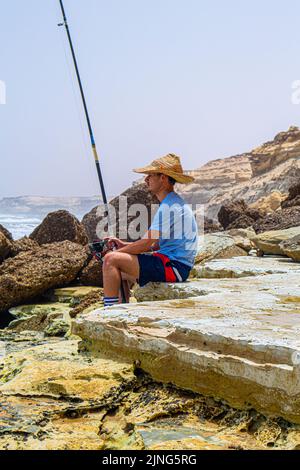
154	291
240	342
245	266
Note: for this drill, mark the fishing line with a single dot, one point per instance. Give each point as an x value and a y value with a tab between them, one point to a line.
85	147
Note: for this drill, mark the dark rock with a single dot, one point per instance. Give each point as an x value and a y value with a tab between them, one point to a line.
6	233
5	247
244	221
293	198
137	194
279	220
212	226
31	273
60	226
93	298
91	275
23	244
234	210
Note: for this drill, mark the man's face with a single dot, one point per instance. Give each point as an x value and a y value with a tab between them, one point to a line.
154	182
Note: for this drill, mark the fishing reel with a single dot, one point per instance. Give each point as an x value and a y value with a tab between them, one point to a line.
99	248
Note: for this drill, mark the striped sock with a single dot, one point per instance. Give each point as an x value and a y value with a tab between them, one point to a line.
110	301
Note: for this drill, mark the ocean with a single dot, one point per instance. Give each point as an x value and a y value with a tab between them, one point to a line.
20	225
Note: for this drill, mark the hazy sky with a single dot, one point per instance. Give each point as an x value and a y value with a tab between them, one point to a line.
199	78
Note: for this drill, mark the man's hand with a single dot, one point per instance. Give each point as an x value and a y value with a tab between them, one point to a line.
114	242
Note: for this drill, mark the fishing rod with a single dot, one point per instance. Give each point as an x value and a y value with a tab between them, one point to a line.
93	142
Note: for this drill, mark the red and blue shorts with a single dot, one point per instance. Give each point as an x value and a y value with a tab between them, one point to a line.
152	269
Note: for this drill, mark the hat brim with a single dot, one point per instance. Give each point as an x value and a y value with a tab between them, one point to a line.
178	177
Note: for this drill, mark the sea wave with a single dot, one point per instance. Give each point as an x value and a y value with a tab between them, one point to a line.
19	226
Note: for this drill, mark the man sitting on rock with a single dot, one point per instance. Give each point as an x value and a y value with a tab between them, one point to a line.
172	237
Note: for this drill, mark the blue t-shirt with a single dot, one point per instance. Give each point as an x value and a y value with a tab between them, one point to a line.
177	227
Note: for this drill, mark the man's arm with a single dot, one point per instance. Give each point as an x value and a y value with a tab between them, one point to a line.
141	246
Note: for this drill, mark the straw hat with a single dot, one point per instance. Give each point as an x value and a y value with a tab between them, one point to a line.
169	165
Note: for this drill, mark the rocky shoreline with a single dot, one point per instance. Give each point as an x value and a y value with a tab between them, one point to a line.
213	363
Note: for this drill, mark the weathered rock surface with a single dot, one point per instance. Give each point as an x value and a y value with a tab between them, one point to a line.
154	291
71	295
270	202
293	198
5	232
211	226
244	266
80	402
279	220
60	226
237	214
291	248
39	317
217	245
251	176
137	194
242	237
23	244
5	247
92	275
87	303
285	146
240	342
269	242
31	273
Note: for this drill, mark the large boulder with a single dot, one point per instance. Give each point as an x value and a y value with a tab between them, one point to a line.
270	243
216	246
293	198
154	291
60	226
5	232
31	273
23	244
91	275
137	194
242	237
211	226
269	203
291	248
5	247
233	211
279	220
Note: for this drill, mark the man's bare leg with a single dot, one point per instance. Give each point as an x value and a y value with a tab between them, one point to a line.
114	264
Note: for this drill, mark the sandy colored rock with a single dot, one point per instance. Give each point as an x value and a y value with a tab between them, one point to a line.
270	242
270	202
217	245
154	291
31	273
291	248
242	237
23	244
60	226
5	247
244	266
72	295
230	344
38	317
251	176
80	402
